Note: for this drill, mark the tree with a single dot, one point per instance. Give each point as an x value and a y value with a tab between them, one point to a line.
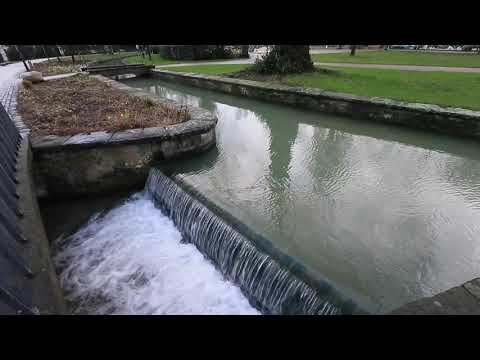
353	49
22	57
285	59
147	47
245	51
45	52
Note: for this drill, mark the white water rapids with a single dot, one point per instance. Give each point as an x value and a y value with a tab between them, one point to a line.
131	260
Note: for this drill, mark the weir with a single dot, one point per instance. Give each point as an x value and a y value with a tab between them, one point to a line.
267	278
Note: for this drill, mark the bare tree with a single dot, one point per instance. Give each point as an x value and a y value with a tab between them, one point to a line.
147	47
245	51
21	57
353	50
45	52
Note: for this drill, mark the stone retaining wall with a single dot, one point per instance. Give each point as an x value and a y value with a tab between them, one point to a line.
102	163
450	121
460	300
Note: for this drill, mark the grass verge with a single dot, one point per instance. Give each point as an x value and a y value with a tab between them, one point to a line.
81	104
157	59
219	69
441	88
402	58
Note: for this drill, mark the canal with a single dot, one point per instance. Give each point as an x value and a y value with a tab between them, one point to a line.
386	214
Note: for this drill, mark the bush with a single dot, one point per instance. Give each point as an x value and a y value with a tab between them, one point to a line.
285	59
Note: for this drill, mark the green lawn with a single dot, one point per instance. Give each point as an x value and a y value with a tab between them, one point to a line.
156	60
219	69
98	57
442	88
402	58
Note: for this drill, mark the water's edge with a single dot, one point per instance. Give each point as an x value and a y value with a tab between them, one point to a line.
320	291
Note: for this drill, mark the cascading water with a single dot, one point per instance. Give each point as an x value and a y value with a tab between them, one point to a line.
130	260
135	260
269	286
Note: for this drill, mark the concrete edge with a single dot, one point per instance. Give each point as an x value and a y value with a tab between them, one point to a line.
297	268
46	294
463	299
315	92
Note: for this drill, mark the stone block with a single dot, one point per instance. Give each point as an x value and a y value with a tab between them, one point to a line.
32	76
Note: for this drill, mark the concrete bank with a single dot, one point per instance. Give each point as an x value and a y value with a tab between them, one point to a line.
452	121
28	284
102	163
459	300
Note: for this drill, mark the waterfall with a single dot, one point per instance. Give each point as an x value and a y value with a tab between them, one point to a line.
265	276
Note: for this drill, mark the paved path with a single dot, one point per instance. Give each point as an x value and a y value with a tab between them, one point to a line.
9	84
346	65
403	67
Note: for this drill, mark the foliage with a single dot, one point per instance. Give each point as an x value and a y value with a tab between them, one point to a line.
285	59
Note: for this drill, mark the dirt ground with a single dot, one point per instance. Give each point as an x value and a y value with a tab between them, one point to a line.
81	104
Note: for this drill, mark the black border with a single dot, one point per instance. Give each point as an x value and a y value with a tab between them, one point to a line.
229	22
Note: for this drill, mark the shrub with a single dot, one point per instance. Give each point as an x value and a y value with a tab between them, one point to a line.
285	59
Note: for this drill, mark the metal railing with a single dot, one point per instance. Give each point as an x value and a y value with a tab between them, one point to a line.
11	237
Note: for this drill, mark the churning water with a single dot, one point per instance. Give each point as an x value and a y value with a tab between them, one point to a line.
131	260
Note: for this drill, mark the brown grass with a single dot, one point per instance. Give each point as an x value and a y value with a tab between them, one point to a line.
81	104
54	67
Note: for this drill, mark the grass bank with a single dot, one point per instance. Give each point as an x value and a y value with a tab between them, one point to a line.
219	69
441	88
393	57
82	104
157	59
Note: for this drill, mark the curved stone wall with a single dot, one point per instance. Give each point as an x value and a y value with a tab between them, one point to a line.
102	163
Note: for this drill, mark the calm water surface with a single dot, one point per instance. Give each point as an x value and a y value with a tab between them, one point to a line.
387	214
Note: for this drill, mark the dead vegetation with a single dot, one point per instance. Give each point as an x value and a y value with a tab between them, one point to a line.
55	67
81	104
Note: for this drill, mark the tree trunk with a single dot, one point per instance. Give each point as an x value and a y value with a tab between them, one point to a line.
353	49
21	57
59	53
284	59
46	53
245	51
149	52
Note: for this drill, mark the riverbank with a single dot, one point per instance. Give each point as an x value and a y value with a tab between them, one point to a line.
451	121
436	88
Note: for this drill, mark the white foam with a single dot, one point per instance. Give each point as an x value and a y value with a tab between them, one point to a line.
131	261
